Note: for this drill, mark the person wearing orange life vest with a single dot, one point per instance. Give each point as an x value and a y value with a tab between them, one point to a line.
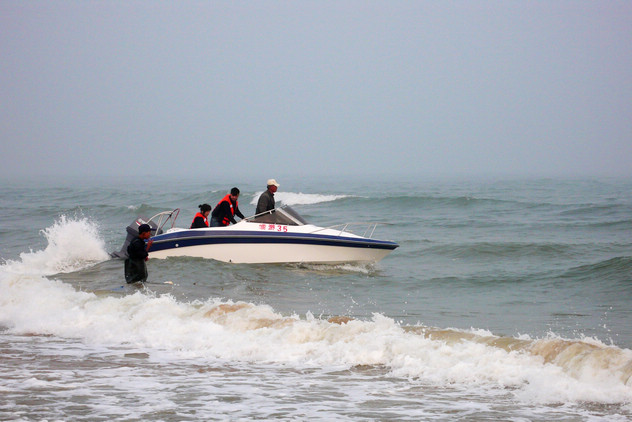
201	218
226	210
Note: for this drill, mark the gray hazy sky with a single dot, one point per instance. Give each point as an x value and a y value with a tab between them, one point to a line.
290	88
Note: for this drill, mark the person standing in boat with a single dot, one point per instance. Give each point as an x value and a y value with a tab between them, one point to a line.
201	218
266	200
226	210
137	254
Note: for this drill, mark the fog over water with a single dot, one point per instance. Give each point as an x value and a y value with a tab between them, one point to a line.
282	89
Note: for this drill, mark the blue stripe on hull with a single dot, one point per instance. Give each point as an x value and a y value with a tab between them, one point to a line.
198	238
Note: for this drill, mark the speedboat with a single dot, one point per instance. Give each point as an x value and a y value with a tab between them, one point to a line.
277	236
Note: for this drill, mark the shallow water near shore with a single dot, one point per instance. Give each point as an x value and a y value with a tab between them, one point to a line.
506	300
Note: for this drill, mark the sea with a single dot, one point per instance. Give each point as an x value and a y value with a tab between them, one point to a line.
508	299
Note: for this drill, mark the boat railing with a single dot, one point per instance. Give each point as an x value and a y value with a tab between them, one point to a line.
369	228
164	217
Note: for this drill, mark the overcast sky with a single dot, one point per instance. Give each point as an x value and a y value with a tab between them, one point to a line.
290	88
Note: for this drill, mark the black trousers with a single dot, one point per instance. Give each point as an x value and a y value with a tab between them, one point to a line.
135	270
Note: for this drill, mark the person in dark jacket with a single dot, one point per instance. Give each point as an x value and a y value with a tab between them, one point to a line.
135	267
226	210
201	218
266	200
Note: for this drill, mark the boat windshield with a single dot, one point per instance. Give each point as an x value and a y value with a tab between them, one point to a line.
284	215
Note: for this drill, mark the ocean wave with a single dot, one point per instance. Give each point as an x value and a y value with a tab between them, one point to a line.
459	201
623	224
322	269
293	198
501	249
73	243
596	210
618	268
552	370
592	215
585	360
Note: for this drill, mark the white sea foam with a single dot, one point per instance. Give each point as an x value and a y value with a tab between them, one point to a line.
325	268
245	332
73	244
292	198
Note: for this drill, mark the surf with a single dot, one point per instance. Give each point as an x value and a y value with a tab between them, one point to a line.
300	198
551	370
73	243
35	302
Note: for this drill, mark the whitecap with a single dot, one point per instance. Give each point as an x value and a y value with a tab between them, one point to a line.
300	198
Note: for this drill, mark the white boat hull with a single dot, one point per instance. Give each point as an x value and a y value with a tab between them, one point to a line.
276	253
281	236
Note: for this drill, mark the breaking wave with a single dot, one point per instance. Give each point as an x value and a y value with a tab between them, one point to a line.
73	244
550	370
292	198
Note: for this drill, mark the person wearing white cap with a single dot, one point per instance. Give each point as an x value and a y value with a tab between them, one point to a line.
266	200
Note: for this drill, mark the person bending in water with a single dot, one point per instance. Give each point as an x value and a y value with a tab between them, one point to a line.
135	267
